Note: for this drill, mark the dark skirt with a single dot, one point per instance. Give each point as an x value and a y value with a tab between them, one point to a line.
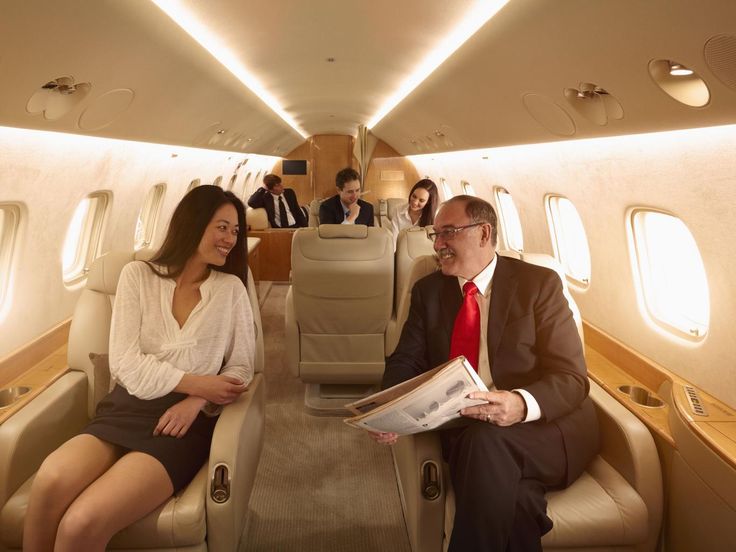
127	421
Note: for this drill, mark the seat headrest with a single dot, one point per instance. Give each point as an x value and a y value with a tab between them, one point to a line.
354	231
394	204
415	242
105	271
257	219
509	253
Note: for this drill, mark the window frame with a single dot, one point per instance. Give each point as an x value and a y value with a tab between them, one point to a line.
9	228
468	188
557	231
149	214
639	255
502	218
90	237
446	189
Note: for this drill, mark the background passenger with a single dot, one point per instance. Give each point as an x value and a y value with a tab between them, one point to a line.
181	344
538	430
419	211
346	207
281	205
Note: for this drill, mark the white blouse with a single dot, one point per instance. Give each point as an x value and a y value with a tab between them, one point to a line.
400	221
149	352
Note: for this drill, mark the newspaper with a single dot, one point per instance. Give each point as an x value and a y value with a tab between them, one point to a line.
426	402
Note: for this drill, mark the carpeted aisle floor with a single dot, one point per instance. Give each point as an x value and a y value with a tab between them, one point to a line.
321	485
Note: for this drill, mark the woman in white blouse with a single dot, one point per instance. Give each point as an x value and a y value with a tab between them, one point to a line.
419	211
181	345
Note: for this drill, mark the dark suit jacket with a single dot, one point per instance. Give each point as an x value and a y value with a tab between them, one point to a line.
262	198
532	340
331	212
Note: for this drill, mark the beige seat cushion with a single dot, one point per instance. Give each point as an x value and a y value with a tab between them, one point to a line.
257	219
180	521
600	509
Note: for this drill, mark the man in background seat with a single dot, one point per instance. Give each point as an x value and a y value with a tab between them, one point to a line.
345	207
280	203
538	430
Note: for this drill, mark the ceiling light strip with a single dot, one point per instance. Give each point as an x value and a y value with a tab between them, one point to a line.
187	21
474	19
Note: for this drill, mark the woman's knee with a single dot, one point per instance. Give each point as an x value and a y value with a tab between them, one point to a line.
80	525
51	480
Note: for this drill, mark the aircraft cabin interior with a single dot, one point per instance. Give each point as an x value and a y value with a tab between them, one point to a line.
603	133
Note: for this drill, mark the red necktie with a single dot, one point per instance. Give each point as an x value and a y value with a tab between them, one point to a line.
466	331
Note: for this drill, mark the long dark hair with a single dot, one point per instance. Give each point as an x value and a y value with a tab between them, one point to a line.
187	226
430	208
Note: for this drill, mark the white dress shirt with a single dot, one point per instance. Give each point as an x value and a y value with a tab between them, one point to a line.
400	221
291	221
149	352
483	282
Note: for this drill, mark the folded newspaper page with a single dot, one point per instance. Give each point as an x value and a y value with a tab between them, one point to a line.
425	402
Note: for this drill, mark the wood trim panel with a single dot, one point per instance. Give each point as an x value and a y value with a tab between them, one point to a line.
21	360
274	251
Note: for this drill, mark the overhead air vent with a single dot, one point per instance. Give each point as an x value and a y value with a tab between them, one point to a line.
105	109
57	97
720	55
594	103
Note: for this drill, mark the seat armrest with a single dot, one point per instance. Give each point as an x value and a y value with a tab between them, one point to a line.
291	334
629	448
39	428
425	517
236	444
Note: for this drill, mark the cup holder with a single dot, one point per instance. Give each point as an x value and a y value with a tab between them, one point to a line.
641	396
11	394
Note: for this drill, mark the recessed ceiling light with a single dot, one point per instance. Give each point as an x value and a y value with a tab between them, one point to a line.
474	19
180	15
679	70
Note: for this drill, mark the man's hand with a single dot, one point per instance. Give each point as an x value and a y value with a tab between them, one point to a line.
177	420
220	389
354	212
504	408
384	438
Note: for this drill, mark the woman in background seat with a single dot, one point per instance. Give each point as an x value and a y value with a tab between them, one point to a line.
181	345
420	209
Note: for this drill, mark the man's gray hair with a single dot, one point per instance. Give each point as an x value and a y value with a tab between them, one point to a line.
479	210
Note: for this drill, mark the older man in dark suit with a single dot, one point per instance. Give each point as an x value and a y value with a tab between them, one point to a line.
346	207
538	429
282	207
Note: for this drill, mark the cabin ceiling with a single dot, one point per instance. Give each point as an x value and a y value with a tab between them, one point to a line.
151	81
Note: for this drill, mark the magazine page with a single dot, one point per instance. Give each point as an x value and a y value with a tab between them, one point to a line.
433	403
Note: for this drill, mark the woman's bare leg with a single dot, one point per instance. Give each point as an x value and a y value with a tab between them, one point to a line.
64	474
133	487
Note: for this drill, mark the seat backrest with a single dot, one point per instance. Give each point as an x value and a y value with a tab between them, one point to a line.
314	212
411	244
342	294
90	328
257	219
387	210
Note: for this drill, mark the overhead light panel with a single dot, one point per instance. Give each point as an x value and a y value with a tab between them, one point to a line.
679	70
474	19
187	21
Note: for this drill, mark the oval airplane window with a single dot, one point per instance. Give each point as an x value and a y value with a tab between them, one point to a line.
468	188
193	184
217	181
510	221
231	182
670	274
9	220
83	237
246	184
569	240
446	190
148	216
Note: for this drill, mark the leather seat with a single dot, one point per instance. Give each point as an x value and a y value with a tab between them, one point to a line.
314	212
339	303
208	514
387	210
257	218
616	504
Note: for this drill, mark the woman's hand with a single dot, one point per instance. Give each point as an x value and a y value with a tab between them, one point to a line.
220	389
177	420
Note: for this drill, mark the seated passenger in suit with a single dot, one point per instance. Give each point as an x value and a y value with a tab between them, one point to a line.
538	430
280	203
345	207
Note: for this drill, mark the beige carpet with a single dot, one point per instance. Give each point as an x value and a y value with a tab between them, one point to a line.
321	485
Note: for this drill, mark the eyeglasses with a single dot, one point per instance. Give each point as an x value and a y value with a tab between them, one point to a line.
448	233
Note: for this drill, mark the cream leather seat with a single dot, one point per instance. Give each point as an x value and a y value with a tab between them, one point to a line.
616	504
339	303
387	210
411	244
314	212
207	515
257	218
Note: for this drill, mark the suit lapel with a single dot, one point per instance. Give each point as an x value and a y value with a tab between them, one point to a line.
503	292
451	299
